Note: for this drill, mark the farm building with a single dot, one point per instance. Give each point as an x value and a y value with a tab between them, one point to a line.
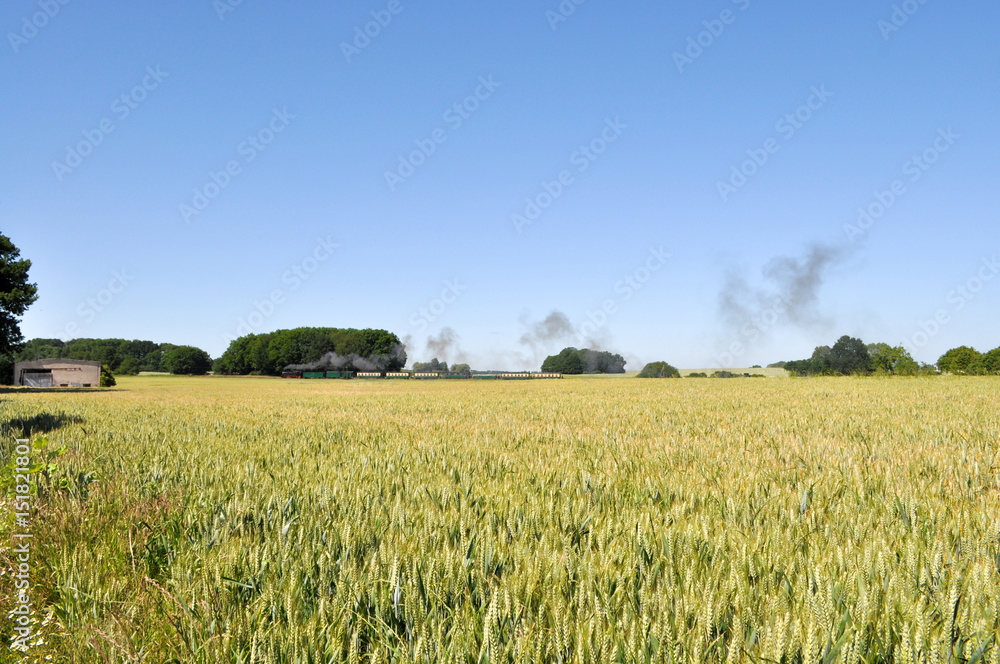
58	373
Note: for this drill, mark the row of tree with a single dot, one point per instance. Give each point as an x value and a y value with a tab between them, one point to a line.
573	361
438	366
850	355
969	361
122	356
312	347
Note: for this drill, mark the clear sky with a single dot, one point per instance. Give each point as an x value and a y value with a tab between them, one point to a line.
182	172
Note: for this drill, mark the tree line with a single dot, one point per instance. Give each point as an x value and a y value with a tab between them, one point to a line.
851	356
969	361
122	356
325	347
579	361
437	366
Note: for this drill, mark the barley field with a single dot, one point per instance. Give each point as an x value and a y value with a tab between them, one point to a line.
261	520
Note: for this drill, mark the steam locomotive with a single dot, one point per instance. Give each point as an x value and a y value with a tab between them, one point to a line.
421	375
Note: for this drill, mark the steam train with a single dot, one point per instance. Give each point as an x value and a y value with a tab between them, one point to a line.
421	375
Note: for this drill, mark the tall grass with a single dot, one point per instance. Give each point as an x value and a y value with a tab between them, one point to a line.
251	520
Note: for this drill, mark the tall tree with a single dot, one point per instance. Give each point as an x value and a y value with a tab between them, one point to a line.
188	360
850	355
16	295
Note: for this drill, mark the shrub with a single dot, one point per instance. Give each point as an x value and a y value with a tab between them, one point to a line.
659	370
107	378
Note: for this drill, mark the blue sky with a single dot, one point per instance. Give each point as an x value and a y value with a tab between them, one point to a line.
120	120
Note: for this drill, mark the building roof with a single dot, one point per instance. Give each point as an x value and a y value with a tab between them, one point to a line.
54	362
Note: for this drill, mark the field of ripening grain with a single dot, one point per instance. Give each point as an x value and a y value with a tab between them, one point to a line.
618	520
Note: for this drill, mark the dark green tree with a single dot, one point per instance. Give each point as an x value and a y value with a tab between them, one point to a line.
568	361
850	356
799	367
16	295
188	360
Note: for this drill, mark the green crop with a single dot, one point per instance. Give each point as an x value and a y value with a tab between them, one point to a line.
261	520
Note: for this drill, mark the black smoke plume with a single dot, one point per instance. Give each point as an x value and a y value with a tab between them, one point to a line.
794	281
444	345
395	360
555	326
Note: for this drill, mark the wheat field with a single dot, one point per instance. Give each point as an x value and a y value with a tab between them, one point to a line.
261	520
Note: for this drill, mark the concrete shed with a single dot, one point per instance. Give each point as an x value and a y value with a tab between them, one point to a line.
58	373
